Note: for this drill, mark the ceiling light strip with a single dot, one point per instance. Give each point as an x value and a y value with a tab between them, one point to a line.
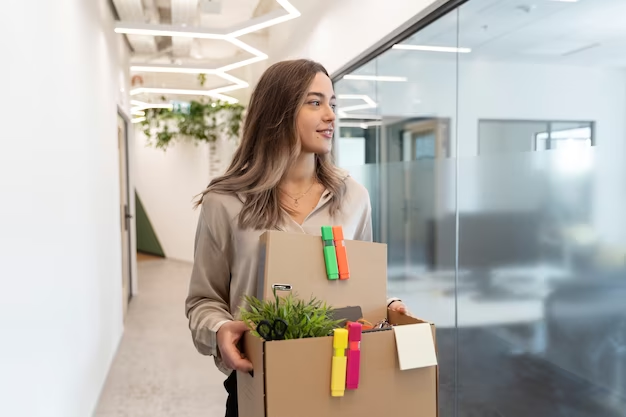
140	105
210	93
357	107
427	48
246	47
196	32
292	13
289	8
353	116
232	78
176	69
242	63
237	82
363	97
361	125
165	30
228	99
374	78
226	89
181	31
369	103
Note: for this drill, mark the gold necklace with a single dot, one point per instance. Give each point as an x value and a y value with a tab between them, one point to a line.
295	200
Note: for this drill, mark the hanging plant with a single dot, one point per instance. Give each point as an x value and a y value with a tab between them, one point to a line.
203	121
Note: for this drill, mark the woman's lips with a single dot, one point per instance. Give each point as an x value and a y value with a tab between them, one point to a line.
327	133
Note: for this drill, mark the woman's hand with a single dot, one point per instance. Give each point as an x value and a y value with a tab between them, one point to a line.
398	306
227	337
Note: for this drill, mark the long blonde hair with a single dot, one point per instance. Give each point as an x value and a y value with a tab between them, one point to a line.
270	144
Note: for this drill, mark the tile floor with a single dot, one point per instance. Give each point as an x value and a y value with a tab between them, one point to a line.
157	371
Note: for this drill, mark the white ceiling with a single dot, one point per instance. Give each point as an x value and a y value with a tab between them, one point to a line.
587	32
231	12
212	16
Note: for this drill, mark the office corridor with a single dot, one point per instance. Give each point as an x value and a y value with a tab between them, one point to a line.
157	372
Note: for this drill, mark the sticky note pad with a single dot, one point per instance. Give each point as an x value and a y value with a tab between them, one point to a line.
416	347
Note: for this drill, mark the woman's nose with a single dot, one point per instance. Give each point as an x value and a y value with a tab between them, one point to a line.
330	115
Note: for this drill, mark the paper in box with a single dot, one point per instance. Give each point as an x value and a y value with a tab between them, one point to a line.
293	377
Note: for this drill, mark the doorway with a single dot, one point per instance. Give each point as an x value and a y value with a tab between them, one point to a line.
125	216
416	152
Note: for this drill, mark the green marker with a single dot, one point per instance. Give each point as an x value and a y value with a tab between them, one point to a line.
330	255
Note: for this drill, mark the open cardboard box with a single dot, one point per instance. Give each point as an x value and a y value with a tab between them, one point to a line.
291	378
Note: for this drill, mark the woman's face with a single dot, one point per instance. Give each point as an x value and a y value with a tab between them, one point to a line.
316	119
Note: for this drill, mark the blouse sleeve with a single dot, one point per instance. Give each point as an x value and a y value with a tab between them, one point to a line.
207	304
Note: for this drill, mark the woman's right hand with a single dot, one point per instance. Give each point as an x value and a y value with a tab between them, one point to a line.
227	337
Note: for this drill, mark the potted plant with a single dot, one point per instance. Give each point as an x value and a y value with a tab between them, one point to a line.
293	317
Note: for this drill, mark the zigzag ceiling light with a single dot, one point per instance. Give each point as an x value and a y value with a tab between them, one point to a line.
227	34
368	103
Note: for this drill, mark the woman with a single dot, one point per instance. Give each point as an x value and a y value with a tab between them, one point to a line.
281	177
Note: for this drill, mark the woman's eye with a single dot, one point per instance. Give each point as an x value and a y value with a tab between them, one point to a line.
333	106
315	103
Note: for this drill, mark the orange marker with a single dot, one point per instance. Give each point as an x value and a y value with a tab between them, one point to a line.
342	256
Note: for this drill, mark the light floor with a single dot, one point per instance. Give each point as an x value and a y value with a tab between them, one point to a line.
157	371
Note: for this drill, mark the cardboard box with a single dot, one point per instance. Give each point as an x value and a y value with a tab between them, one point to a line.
291	378
298	260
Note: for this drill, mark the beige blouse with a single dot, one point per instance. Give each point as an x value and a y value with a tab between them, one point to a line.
226	257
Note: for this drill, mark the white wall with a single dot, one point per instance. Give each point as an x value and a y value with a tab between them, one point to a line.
501	137
167	183
60	251
335	32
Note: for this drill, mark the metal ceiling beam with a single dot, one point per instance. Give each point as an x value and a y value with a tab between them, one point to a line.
133	11
183	13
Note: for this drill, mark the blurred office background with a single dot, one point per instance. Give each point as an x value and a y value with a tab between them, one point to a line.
492	139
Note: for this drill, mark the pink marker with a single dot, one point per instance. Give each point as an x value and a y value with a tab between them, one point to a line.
354	355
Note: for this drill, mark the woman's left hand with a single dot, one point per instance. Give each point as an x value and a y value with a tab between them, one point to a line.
399	307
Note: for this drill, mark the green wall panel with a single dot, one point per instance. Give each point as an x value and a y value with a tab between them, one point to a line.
147	241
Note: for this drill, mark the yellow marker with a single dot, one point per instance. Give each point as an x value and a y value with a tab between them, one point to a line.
338	370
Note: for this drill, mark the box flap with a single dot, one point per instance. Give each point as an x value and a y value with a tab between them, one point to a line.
415	345
298	260
251	388
398	318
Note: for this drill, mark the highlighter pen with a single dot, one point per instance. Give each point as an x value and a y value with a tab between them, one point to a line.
338	370
342	255
353	355
330	255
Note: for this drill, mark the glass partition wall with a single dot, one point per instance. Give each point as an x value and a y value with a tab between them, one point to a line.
493	144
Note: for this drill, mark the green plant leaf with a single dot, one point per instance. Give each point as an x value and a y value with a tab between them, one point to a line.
199	123
304	319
